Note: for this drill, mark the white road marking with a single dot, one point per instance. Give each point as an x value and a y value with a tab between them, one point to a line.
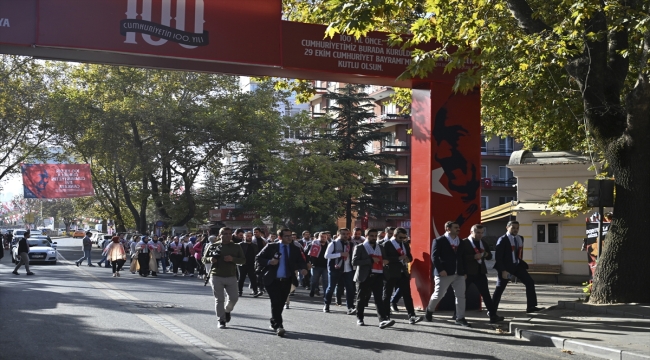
202	346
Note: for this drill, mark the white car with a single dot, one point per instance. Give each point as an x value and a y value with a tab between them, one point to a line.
40	250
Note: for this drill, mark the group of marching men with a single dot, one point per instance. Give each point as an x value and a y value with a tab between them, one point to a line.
373	265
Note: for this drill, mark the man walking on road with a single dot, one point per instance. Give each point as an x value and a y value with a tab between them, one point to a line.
87	248
340	270
368	258
508	261
279	263
396	272
476	251
316	257
250	250
448	270
23	252
224	256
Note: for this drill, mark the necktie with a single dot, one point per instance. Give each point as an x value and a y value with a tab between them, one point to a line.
286	261
516	250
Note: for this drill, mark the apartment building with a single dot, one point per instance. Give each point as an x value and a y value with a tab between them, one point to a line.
498	182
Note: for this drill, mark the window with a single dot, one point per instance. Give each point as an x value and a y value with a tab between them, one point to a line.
290	133
483	145
505	173
484	171
484	202
505	199
506	145
548	233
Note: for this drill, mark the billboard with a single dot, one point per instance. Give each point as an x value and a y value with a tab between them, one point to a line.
56	181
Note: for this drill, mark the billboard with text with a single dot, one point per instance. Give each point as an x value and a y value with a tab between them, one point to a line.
56	181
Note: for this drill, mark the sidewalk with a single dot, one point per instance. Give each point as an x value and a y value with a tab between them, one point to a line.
602	331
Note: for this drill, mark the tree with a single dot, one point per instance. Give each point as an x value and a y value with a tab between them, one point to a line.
350	113
23	112
550	72
61	210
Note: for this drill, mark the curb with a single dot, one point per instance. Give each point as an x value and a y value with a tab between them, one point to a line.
572	305
520	332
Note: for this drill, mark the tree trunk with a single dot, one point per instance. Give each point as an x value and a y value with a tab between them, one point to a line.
348	213
623	269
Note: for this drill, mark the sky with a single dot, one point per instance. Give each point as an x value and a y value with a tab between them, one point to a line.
12	186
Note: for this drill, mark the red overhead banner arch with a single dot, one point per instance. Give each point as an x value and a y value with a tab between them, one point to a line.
248	37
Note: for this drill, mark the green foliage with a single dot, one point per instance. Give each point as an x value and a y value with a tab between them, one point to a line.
569	201
24	113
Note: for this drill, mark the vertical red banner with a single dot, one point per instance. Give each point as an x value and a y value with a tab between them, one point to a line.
445	181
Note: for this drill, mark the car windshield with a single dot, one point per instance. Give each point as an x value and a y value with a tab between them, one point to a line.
38	237
38	242
19	232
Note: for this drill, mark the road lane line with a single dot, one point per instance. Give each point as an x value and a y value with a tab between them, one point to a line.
202	346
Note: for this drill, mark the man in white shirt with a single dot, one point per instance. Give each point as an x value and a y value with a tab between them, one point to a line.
339	266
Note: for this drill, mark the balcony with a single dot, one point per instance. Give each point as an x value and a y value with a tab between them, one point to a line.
395	179
497	152
396	149
396	211
487	183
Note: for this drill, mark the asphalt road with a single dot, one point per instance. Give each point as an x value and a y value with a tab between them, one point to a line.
65	312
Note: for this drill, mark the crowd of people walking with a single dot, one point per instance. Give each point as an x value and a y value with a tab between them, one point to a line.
355	264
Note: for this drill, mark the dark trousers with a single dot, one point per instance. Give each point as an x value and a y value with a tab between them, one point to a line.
373	285
176	260
521	274
260	282
481	282
249	271
347	278
402	283
143	260
278	292
117	265
340	288
397	295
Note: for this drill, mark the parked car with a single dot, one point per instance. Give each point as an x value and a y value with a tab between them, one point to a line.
40	250
95	238
18	233
78	234
101	238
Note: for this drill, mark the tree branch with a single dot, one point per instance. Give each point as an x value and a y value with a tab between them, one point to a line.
523	13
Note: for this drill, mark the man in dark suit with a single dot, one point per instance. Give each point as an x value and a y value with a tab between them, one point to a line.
476	251
278	263
250	250
396	272
508	261
448	270
368	258
259	240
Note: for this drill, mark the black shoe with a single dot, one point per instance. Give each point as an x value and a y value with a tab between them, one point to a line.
311	294
257	294
463	322
76	263
393	306
222	324
227	317
30	273
286	306
99	264
241	293
496	319
280	331
360	322
534	309
352	311
386	323
91	265
326	308
338	303
428	316
16	273
415	319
